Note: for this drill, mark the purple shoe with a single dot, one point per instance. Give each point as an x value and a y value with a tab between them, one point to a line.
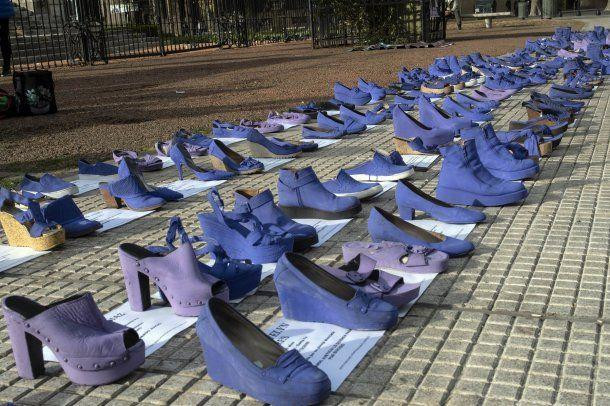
398	257
349	125
227	160
360	273
491	94
380	169
287	119
328	134
176	274
148	163
433	116
47	185
180	157
90	349
262	127
377	92
345	185
353	96
408	128
409	198
366	118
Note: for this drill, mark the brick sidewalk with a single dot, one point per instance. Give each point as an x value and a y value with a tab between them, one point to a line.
522	319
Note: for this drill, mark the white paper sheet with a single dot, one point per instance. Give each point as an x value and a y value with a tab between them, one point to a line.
85	185
333	112
321	143
460	231
271	163
156	326
113	218
335	350
420	161
13	256
167	161
190	187
325	228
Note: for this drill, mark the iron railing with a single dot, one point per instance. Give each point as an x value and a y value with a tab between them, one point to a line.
373	21
47	33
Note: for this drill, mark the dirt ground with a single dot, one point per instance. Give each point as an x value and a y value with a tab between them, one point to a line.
130	104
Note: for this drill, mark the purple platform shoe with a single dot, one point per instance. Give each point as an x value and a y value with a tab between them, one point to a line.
397	257
176	274
90	349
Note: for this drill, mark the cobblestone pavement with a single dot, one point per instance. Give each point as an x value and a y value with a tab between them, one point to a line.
521	319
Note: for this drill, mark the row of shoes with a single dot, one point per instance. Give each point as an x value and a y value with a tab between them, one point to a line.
481	170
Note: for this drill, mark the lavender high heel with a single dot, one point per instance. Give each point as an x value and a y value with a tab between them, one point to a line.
176	274
90	349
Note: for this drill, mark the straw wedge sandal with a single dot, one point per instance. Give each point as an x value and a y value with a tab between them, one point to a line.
27	228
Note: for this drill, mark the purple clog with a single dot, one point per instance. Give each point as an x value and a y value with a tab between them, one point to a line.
90	349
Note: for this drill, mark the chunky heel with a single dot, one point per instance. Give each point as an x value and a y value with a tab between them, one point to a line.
27	351
406	212
403	147
179	168
111	201
138	290
546	148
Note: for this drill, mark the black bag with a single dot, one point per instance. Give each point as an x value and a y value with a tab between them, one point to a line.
34	92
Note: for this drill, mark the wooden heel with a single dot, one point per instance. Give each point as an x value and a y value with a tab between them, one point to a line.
403	147
111	201
18	235
218	164
546	148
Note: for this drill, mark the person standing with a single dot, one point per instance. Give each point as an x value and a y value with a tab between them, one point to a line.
535	9
456	7
6	12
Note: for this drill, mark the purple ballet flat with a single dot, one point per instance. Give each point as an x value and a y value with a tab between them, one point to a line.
398	257
176	274
147	163
90	349
361	274
262	127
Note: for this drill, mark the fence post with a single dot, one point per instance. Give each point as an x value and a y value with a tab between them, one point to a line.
160	28
311	24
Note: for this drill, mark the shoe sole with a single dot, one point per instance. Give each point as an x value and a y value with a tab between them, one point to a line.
19	236
363	194
99	178
57	194
303	244
456	196
514	175
308	213
258	151
390	178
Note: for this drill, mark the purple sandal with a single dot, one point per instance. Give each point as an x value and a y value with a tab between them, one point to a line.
398	257
90	349
360	272
286	119
262	127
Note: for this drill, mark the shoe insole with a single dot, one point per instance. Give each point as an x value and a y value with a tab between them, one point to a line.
413	230
255	345
423	195
320	277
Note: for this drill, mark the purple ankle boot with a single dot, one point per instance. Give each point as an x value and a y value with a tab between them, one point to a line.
90	349
176	274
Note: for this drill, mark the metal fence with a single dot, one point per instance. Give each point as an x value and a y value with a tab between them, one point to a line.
46	33
374	21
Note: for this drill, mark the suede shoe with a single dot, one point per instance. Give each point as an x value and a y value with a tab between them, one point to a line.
302	195
309	293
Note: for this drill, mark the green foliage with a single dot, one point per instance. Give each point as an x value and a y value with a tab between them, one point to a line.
376	21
